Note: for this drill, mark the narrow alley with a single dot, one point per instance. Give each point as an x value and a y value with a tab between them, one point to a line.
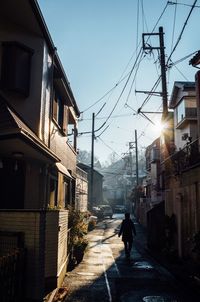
106	275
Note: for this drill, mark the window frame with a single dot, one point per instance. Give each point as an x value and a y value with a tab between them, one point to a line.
16	67
59	112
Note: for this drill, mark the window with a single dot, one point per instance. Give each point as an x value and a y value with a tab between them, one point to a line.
60	112
15	70
72	129
187	108
180	112
58	109
66	193
53	191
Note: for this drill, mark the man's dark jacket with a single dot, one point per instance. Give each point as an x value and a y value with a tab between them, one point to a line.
127	230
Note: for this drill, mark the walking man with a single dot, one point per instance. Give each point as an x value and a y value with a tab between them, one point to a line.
127	231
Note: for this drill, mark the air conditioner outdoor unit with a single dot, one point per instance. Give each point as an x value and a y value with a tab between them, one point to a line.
184	136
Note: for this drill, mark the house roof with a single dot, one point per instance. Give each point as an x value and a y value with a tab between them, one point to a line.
87	168
12	126
180	85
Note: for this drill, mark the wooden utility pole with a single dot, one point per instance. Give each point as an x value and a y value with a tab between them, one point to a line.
161	48
92	163
163	74
136	158
131	146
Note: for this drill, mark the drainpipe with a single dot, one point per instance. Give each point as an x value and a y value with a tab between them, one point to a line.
51	96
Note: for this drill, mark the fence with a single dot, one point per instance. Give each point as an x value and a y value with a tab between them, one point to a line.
12	265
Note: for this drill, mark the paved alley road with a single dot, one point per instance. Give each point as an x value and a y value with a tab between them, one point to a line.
105	275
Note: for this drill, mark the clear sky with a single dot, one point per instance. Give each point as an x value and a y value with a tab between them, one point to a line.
98	42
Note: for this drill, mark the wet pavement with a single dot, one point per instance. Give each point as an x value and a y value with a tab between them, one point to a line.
106	275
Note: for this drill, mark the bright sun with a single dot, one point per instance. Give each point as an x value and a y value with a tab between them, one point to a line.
158	127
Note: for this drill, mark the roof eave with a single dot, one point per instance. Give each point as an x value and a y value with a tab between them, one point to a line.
37	11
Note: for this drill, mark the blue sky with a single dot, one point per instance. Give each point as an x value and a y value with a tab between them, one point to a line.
98	41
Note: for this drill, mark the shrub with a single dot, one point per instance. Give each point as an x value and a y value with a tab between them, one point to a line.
91	225
78	229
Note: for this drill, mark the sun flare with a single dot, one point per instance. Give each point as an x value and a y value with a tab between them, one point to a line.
158	127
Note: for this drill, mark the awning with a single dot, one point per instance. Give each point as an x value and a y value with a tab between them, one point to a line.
63	169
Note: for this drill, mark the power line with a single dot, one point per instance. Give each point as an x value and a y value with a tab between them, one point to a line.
178	40
109	91
120	93
184	4
174	22
182	74
110	148
150	94
104	117
142	57
159	79
181	60
129	75
103	131
159	18
181	33
172	64
121	79
101	98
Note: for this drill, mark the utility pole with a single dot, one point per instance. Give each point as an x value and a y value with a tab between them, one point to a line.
92	162
161	48
163	74
92	156
136	157
131	159
131	146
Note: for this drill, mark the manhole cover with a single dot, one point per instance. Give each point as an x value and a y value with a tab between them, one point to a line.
86	274
137	296
142	265
156	299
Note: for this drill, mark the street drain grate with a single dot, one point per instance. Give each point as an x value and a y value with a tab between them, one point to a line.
142	265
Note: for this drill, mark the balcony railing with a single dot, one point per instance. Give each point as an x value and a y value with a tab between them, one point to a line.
190	114
184	159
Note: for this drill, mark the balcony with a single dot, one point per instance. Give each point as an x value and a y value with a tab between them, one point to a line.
190	115
183	160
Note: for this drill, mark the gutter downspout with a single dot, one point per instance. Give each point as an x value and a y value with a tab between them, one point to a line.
51	96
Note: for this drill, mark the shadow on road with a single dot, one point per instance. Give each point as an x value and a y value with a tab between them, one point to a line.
105	275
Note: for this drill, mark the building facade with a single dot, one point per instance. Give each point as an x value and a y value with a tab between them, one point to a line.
38	115
97	185
182	175
81	190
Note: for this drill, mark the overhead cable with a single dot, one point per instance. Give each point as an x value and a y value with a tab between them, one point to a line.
120	93
174	22
142	57
104	117
110	147
149	95
181	60
178	3
182	73
181	33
